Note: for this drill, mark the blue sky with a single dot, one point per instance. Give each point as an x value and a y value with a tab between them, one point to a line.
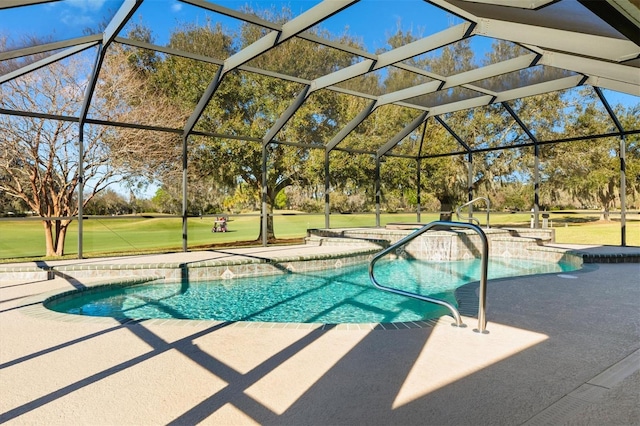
373	21
370	20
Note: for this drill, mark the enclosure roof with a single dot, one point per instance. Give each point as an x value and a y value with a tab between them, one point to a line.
590	43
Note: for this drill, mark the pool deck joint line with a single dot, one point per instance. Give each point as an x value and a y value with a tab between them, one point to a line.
591	391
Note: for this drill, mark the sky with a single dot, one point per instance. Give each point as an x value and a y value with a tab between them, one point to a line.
372	21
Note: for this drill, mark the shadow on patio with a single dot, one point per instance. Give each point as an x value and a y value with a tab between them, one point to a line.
548	336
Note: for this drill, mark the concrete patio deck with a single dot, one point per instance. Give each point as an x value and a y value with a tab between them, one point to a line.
561	349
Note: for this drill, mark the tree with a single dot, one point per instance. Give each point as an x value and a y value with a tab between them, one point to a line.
630	119
590	169
491	127
247	105
166	202
39	157
107	202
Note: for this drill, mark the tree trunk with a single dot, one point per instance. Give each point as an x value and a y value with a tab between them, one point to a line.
55	236
48	238
61	235
604	209
271	201
271	235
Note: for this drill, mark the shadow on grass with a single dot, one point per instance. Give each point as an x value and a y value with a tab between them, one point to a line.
577	219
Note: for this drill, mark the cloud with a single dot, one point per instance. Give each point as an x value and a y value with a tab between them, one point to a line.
76	20
176	7
86	5
81	13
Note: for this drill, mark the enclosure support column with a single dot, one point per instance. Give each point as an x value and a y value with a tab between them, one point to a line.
470	182
536	186
469	177
83	116
623	193
536	171
80	188
377	189
418	192
264	224
184	194
470	164
623	167
119	20
419	173
388	146
327	187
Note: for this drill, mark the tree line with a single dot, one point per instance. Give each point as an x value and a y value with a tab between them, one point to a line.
39	169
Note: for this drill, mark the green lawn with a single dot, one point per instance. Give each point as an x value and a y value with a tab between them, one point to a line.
137	234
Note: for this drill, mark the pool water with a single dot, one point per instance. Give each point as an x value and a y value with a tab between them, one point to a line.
331	297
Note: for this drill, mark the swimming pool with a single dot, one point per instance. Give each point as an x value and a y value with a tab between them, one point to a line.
331	296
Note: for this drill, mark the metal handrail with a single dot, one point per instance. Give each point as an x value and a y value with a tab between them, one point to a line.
482	322
471	218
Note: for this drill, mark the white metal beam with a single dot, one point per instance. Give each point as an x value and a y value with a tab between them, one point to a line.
395	140
352	93
618	86
504	67
119	20
202	58
7	4
409	92
168	50
344	74
419	71
313	16
335	45
460	79
461	105
46	61
286	116
540	88
402	53
234	14
248	53
594	46
455	10
426	44
522	4
479	89
592	67
298	24
47	47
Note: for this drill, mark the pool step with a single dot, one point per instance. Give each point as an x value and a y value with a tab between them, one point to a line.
316	240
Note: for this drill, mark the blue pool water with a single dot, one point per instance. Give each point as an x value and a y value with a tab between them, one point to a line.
330	297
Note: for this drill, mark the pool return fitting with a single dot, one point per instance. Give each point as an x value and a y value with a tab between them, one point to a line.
482	321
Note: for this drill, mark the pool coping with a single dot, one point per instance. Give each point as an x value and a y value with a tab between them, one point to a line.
237	259
241	264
